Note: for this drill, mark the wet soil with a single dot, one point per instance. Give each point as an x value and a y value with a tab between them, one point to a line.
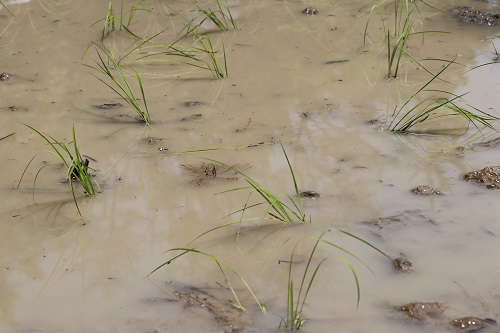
308	81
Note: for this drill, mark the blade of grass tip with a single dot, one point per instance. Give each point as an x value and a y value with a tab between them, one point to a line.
34	181
146	118
362	241
306	269
311	280
368	22
358	288
291	311
301	210
74	196
56	151
22	176
347	252
168	262
7	8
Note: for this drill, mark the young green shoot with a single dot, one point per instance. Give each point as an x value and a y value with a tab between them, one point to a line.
295	302
76	165
277	209
118	81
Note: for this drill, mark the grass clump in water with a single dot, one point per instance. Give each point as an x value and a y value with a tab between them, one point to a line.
404	120
295	302
109	67
277	209
77	167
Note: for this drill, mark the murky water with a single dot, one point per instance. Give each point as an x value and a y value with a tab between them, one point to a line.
64	273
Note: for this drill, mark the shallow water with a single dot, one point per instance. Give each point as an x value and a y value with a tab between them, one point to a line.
64	273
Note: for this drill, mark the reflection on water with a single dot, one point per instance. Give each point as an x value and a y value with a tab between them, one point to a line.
287	84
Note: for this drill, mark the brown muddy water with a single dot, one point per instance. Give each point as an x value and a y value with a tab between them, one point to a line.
60	272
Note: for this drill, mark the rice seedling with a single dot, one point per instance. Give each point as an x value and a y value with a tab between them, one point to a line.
221	17
120	83
5	6
431	108
295	302
110	19
77	166
223	267
277	209
398	40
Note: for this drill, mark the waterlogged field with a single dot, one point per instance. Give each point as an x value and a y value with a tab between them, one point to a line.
252	167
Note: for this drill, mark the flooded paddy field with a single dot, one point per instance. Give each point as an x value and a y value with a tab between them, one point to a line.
295	97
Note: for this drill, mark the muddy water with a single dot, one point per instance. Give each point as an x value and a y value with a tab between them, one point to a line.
64	273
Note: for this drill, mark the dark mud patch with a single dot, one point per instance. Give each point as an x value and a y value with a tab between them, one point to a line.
207	173
309	194
107	106
191	104
205	305
469	15
488	177
196	116
384	225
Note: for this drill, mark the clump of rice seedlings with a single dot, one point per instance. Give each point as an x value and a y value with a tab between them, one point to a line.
119	82
221	17
77	166
110	19
398	39
404	120
277	209
294	318
224	268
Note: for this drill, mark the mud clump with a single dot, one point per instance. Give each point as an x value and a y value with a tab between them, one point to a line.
226	316
309	194
473	324
469	15
488	177
403	265
426	190
421	311
4	76
310	11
